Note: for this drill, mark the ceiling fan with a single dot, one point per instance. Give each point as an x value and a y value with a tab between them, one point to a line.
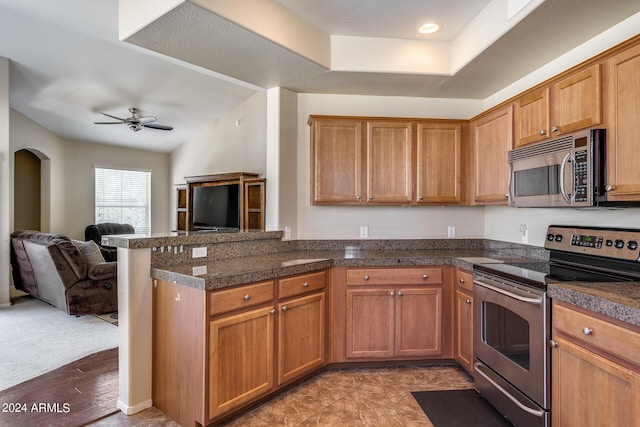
135	122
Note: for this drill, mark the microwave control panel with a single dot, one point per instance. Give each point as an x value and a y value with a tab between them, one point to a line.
580	176
616	243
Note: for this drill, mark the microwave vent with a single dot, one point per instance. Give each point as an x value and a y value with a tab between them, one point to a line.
560	144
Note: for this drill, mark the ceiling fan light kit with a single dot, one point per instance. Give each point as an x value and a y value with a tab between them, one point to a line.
135	122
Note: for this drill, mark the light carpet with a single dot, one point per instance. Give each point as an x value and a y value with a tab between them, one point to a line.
36	337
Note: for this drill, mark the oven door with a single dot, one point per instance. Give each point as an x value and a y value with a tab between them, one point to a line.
511	332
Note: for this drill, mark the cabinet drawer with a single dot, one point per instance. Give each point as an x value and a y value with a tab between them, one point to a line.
236	298
464	279
301	284
394	276
599	333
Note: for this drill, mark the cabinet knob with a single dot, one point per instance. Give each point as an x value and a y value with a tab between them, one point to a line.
370	197
468	300
285	308
462	280
506	195
425	276
393	294
366	277
542	132
555	129
608	188
587	331
400	293
421	197
247	297
273	311
305	285
358	197
553	344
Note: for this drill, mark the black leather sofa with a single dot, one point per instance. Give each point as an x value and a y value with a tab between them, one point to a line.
96	231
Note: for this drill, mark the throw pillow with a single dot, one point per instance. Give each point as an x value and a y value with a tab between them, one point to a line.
91	253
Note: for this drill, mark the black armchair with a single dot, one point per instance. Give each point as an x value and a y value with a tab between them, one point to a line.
96	231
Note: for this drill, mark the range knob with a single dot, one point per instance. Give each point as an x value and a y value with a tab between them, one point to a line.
632	245
550	237
558	238
619	244
609	242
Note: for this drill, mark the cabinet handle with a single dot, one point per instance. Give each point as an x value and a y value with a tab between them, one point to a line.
506	195
366	277
393	294
247	297
370	197
609	188
542	132
273	311
421	197
468	300
358	197
425	276
587	331
553	344
555	129
462	280
305	285
285	308
400	293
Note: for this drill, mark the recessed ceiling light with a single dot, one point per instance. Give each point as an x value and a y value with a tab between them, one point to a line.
429	28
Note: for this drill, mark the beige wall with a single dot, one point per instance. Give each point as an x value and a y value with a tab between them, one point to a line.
5	183
68	176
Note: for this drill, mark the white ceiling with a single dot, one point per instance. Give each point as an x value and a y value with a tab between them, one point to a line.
67	63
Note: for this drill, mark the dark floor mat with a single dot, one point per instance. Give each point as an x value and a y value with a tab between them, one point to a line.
459	408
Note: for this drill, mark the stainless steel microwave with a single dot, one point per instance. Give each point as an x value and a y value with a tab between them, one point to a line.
564	172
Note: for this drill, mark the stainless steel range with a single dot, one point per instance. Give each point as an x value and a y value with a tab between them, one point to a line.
512	314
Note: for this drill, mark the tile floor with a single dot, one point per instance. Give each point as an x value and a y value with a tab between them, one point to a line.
345	397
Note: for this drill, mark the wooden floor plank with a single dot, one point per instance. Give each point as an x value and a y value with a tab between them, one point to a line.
72	395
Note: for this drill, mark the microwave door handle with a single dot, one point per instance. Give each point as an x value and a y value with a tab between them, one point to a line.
510	186
563	190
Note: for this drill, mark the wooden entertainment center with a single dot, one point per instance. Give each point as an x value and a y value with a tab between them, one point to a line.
251	198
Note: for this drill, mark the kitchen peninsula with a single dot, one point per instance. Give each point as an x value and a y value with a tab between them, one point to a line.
164	264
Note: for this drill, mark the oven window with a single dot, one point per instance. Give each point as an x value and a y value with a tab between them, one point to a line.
541	181
507	333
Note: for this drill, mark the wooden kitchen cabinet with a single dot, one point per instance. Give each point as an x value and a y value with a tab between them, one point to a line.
385	161
623	156
571	103
491	140
595	370
400	321
440	177
215	352
463	329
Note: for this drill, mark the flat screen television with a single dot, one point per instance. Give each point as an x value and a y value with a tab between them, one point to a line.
216	207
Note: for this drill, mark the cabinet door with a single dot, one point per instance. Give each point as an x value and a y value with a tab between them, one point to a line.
301	336
464	329
241	349
590	390
439	163
389	162
492	138
336	161
370	323
532	117
577	101
623	95
418	328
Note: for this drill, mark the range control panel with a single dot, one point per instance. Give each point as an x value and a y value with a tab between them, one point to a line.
607	242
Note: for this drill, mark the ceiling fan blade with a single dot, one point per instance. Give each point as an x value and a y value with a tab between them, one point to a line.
113	117
107	123
157	126
146	119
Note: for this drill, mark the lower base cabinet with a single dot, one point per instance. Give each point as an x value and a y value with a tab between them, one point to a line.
218	351
463	308
595	371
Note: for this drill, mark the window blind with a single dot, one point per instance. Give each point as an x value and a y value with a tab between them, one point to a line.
124	196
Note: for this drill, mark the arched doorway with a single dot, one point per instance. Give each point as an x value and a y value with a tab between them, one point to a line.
27	191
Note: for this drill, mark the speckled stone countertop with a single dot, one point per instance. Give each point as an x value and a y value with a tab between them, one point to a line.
619	300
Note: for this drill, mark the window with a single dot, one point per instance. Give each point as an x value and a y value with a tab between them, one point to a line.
124	196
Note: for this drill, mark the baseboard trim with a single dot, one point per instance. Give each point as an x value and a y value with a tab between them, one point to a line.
5	305
130	410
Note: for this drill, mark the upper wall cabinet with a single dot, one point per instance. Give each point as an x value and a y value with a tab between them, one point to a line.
571	103
491	140
385	161
623	130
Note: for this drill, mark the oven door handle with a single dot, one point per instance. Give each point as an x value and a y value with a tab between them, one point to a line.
535	301
536	412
